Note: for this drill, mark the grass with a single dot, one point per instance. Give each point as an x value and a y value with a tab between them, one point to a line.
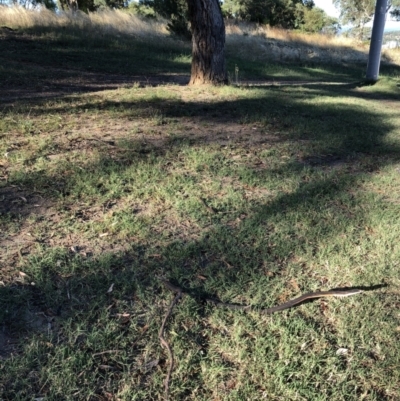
111	181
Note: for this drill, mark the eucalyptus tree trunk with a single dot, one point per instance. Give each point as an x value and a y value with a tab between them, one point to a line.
208	41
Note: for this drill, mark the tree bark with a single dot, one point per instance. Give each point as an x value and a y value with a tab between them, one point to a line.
208	40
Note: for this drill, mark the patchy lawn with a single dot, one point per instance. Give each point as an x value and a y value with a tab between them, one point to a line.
113	179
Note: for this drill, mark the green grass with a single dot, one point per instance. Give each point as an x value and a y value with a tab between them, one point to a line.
250	194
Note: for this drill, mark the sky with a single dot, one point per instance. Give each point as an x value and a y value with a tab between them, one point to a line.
328	7
331	10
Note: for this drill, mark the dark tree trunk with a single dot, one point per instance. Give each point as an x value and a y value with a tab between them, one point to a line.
208	38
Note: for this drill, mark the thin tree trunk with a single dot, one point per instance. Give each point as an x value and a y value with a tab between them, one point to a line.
208	40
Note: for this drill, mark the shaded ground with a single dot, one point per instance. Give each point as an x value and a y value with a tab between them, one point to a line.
68	67
58	83
62	82
246	186
28	207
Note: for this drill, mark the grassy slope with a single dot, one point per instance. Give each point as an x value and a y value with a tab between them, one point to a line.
111	188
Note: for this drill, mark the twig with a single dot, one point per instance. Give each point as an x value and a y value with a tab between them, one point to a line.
111	351
163	341
110	143
209	208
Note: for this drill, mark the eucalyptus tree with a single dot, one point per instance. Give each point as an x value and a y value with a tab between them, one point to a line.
208	42
359	12
284	13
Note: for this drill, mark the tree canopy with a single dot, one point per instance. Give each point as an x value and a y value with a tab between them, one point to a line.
359	12
283	13
83	5
290	14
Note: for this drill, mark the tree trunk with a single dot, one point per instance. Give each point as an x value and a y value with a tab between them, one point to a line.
378	28
208	39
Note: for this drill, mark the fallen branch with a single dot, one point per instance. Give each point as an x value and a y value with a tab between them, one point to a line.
164	342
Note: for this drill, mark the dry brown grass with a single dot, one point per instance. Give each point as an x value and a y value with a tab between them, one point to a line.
263	43
393	55
112	21
284	35
255	42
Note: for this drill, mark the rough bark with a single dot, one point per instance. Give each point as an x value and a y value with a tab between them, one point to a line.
208	40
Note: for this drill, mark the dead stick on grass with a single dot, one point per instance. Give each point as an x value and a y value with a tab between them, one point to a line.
165	343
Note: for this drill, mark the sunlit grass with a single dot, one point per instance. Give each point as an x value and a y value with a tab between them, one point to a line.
252	194
101	23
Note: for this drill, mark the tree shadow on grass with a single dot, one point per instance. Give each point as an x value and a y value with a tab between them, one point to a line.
353	89
96	316
324	135
57	62
282	114
105	311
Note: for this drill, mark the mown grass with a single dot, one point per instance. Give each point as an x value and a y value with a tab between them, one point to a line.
250	194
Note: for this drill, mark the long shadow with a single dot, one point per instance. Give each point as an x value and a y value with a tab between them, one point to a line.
55	63
75	297
281	112
36	82
275	109
246	106
58	62
352	89
73	294
89	52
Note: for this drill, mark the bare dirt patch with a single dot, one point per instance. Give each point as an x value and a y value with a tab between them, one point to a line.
331	161
17	201
17	205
